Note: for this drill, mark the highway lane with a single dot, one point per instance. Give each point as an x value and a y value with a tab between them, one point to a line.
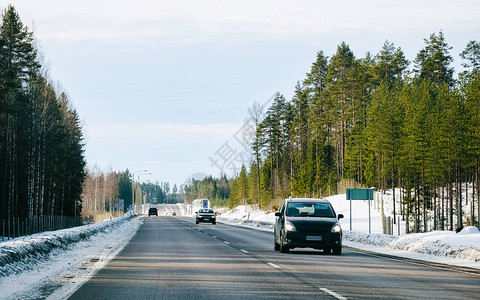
167	209
354	274
173	258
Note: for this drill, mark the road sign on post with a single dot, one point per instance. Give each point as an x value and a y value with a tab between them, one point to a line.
360	194
205	203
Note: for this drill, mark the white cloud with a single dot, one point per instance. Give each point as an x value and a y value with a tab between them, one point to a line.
193	21
124	131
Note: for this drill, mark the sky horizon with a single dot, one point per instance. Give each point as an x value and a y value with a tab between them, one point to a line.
166	86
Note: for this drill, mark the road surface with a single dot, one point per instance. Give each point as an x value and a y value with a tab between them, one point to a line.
173	258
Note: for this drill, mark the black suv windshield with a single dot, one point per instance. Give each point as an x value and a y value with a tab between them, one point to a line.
206	211
308	209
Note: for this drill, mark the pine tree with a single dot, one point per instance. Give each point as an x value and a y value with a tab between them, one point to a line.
471	56
342	99
433	62
390	64
17	63
299	139
243	186
362	87
252	184
317	121
471	90
273	139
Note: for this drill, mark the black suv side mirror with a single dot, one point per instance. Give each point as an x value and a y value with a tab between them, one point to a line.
278	214
340	216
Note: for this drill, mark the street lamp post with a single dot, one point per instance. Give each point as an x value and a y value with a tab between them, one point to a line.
134	202
138	181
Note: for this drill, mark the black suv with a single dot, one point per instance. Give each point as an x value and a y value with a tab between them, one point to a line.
206	215
306	222
152	211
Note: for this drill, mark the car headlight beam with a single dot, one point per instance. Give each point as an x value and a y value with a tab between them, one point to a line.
289	226
336	228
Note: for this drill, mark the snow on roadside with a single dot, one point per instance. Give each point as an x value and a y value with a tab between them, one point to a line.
246	216
53	264
462	245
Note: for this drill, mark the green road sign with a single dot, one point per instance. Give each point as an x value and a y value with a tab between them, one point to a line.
359	194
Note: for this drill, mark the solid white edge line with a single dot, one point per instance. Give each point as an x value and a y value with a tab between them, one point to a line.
333	294
273	265
399	259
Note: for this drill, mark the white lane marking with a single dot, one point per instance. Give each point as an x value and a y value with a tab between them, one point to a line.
244	251
333	294
214	237
273	265
226	242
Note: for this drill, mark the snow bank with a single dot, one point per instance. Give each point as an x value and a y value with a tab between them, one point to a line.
374	239
24	252
248	217
441	243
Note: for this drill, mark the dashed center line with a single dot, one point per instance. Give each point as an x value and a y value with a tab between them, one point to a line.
273	265
325	290
333	294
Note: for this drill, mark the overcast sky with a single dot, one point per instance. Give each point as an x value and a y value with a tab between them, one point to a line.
166	85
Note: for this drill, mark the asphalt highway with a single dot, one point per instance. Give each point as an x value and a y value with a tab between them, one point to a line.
173	258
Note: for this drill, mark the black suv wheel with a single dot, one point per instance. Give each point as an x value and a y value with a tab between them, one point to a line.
283	248
276	246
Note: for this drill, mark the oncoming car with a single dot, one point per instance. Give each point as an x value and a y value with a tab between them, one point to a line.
206	215
152	211
307	223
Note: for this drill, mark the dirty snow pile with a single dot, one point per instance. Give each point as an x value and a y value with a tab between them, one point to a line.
57	262
463	245
248	217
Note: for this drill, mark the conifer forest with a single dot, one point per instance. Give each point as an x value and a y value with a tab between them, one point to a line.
42	164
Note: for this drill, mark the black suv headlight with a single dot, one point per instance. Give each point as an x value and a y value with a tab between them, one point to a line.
289	226
336	228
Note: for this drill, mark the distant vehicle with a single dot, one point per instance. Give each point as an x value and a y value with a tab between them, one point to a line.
307	222
152	211
206	215
174	213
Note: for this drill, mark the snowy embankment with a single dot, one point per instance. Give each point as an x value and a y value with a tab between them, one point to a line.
16	255
53	264
464	245
462	249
